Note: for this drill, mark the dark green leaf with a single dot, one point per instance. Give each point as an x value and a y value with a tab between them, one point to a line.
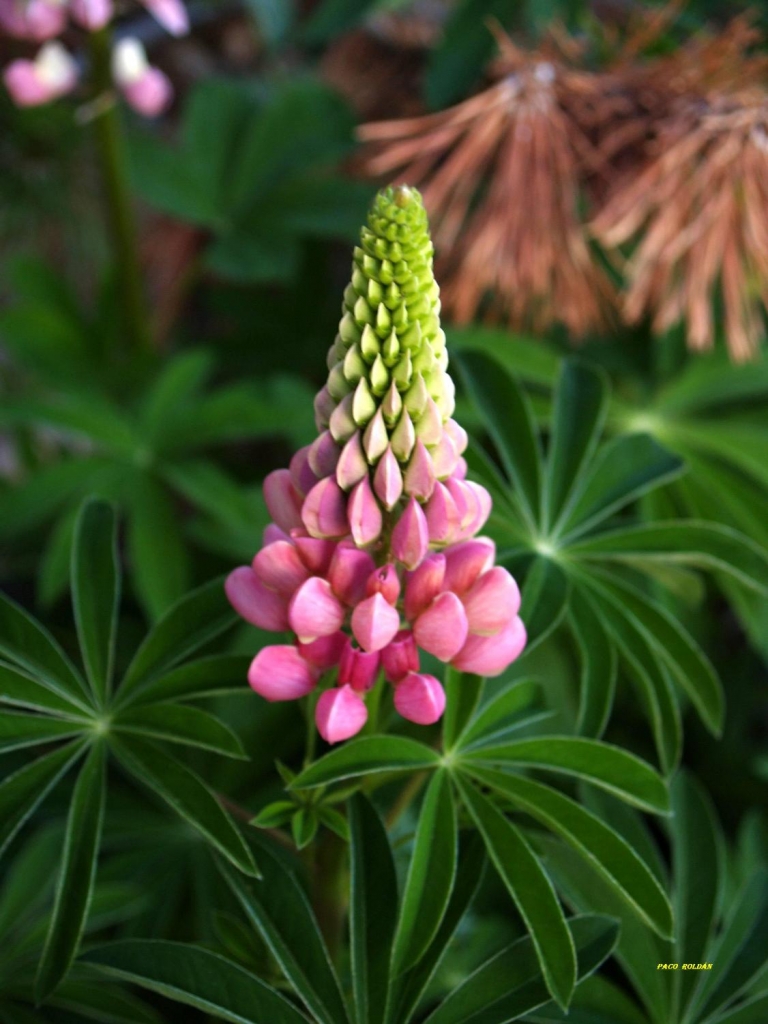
217	673
179	724
373	910
278	813
21	792
532	891
334	820
606	850
430	876
195	977
365	756
304	825
188	796
176	385
159	561
545	597
599	666
19	730
463	692
193	621
506	413
78	874
18	688
278	908
85	994
754	1011
96	592
578	414
510	984
609	767
501	711
528	358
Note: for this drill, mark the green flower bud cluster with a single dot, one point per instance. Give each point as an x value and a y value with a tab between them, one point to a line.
388	375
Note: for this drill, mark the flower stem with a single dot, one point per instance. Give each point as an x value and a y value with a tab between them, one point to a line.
122	226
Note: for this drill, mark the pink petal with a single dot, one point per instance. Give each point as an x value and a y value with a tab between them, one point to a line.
388	480
410	536
357	668
374	623
272	532
324	406
171	14
442	629
340	713
280	673
352	466
365	519
492	602
457	434
385	581
36	20
325	652
423	585
400	656
445	458
324	511
420	699
375	439
323	455
419	479
280	567
282	499
91	14
302	475
466	561
256	603
461	470
52	74
315	610
349	572
442	515
490	655
484	506
316	553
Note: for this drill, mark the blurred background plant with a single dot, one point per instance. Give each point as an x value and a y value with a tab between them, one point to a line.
181	185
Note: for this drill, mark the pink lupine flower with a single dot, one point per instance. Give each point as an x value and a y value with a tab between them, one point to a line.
146	88
36	20
53	73
373	555
171	14
91	14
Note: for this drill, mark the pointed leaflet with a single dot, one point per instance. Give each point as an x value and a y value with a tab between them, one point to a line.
609	767
431	875
278	907
501	712
78	874
532	891
85	994
504	409
96	592
177	723
195	977
545	598
689	542
214	674
365	756
599	666
21	792
19	730
195	620
510	984
463	691
605	849
622	470
24	642
157	554
373	910
188	795
697	859
20	689
578	413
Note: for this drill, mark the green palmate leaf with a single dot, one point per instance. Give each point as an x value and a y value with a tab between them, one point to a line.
179	724
705	545
18	688
431	875
596	1001
24	642
278	908
21	792
18	730
196	977
205	677
579	408
606	850
96	591
506	413
177	384
529	359
622	471
373	910
650	674
545	598
365	756
278	813
187	795
193	621
90	999
697	857
532	891
463	691
78	874
46	492
599	666
304	826
609	767
511	984
83	415
688	663
407	991
739	955
754	1011
501	712
159	560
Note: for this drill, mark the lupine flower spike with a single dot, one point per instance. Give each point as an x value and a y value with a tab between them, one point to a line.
372	554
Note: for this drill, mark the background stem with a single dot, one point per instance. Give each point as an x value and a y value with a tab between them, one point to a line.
122	225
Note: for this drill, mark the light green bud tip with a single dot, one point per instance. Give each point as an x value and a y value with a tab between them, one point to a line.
389	353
